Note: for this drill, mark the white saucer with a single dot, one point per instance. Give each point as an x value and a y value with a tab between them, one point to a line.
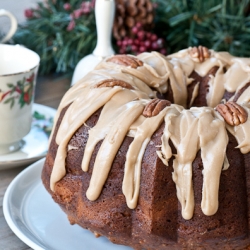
35	144
39	222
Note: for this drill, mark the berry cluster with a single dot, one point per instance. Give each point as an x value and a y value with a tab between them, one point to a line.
85	9
142	41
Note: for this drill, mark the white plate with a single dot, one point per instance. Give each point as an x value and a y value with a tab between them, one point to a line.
35	144
39	222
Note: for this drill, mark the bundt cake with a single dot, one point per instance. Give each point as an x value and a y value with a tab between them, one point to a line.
153	151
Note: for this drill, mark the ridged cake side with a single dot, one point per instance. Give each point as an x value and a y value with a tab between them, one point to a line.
157	222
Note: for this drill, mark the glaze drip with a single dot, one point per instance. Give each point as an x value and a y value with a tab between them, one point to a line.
189	130
109	148
132	171
106	121
213	143
185	140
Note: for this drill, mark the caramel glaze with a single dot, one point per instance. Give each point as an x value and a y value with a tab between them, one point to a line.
189	130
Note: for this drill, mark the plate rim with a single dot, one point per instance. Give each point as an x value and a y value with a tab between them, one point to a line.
17	223
6	209
21	162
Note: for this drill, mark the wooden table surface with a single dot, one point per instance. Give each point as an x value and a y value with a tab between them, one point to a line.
49	91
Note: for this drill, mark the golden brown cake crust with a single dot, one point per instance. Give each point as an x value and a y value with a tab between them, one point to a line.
156	223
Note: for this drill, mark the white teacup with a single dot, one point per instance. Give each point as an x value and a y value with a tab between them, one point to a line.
13	25
18	71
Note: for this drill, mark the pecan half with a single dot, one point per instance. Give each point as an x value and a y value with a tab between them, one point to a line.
233	113
126	60
113	83
154	107
201	53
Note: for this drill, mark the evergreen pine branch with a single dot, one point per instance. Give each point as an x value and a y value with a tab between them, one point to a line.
216	24
46	33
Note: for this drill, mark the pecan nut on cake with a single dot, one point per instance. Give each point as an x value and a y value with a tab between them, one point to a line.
153	151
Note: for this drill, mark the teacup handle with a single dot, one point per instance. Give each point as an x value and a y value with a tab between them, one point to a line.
13	25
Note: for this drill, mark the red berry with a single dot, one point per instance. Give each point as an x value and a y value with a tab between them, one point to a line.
141	35
86	10
142	49
136	42
130	41
135	30
154	37
28	13
134	48
77	13
124	43
92	4
163	51
147	44
71	25
138	25
67	6
155	46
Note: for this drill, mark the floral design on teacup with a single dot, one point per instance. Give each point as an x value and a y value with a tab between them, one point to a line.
21	92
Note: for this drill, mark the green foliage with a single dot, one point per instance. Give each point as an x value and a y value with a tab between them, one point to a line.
46	33
217	24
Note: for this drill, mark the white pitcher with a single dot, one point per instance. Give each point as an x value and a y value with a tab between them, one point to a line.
104	15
